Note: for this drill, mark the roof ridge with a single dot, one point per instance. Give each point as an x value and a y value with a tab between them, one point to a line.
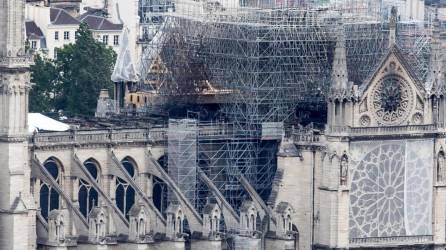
102	22
58	14
402	58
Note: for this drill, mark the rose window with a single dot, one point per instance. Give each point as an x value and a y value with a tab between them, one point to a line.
391	100
390	193
378	192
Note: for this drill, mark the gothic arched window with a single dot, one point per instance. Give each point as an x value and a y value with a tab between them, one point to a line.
159	194
49	198
88	195
163	161
125	194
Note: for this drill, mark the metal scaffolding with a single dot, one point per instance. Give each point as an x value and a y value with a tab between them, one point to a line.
267	57
182	161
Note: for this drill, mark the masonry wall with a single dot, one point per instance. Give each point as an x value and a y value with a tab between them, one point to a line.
206	244
296	188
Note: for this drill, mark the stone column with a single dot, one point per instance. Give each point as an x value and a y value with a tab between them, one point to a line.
439	211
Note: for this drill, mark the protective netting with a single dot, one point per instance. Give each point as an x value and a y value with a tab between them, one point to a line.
391	192
124	70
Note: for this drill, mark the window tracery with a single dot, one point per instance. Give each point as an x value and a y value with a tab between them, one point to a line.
125	194
160	194
390	193
88	195
49	198
391	100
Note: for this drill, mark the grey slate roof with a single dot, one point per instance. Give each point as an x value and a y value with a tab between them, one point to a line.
33	31
62	17
100	23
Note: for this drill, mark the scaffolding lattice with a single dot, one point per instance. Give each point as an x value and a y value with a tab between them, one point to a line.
182	160
268	57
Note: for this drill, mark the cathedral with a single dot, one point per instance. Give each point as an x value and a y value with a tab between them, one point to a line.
373	178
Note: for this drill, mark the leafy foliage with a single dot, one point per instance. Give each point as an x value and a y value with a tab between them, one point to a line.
74	79
44	76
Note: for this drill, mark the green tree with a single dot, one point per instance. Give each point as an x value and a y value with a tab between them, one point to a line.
86	67
44	76
81	70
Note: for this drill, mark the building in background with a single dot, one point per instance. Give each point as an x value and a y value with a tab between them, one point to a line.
57	25
103	30
36	41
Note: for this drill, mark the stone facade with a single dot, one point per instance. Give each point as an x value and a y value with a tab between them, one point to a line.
373	178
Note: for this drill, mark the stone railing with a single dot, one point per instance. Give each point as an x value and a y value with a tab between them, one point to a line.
88	137
8	61
389	130
392	240
307	136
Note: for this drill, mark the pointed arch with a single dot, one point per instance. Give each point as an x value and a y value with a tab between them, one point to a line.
130	166
49	198
159	196
124	193
87	195
93	167
164	161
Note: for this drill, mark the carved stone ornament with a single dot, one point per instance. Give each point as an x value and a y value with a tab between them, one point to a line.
417	118
364	121
391	100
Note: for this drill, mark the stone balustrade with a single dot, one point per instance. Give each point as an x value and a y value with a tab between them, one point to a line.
8	61
391	240
98	136
307	138
88	137
388	130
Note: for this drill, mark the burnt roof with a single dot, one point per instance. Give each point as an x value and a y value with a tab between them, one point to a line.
62	17
100	23
33	31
